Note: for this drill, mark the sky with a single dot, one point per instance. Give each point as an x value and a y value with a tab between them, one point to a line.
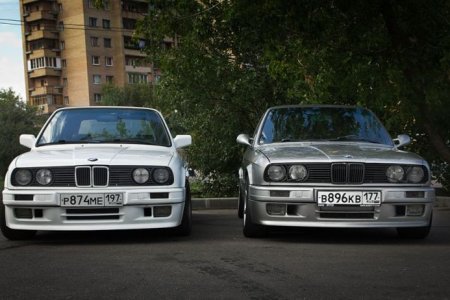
11	56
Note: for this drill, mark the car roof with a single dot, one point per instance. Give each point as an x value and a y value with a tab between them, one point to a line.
105	107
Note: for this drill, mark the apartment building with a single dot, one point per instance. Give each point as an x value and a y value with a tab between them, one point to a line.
71	48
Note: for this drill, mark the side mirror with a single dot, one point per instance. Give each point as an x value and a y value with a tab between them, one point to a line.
243	139
402	140
181	141
27	140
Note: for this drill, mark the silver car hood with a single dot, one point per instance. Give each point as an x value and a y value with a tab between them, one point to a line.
337	151
73	155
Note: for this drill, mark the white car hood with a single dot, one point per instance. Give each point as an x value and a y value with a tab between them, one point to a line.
75	155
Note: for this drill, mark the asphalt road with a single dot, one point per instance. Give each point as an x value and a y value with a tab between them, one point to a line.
217	262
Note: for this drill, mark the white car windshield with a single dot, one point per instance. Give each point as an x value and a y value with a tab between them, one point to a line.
296	124
105	125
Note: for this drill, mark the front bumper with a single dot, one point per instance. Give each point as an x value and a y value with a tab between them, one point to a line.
42	210
300	208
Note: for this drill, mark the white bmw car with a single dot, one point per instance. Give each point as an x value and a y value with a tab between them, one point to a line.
98	168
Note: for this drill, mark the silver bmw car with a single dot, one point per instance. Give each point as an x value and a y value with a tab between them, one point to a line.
331	166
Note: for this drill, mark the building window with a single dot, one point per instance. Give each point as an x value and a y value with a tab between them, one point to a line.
106	24
65	83
62	45
97	79
61	26
44	62
129	23
66	100
63	63
107	43
108	61
137	78
92	22
96	60
106	4
97	98
109	79
94	41
91	3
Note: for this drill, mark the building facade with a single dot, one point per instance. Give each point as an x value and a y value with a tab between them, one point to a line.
71	48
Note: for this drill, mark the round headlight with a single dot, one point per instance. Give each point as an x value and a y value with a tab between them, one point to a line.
395	173
44	176
141	175
276	173
415	174
298	172
23	177
161	175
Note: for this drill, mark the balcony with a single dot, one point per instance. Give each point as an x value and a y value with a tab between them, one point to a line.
41	34
41	14
30	1
44	90
42	53
138	69
44	72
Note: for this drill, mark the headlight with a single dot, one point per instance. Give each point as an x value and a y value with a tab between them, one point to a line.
276	173
161	175
298	172
23	177
141	175
415	174
395	173
44	176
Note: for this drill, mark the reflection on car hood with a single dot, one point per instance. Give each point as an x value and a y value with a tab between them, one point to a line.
322	152
75	155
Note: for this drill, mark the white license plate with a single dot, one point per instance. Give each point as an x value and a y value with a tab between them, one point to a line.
91	200
361	198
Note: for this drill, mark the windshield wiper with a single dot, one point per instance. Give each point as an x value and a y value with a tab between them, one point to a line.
131	141
354	138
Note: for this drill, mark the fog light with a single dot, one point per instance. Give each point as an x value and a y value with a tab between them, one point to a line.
23	213
279	193
162	211
415	194
415	210
276	209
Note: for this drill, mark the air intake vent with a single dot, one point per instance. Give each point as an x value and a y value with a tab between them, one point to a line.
343	173
97	176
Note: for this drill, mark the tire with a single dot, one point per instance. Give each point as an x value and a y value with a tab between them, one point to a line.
240	204
13	234
184	229
251	230
415	232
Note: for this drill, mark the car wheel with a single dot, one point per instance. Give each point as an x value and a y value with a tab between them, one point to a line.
415	232
13	234
251	230
184	229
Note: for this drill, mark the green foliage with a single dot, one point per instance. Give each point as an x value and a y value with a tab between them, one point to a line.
16	118
236	58
130	95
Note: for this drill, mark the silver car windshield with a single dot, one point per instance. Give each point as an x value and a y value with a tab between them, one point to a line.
105	125
296	124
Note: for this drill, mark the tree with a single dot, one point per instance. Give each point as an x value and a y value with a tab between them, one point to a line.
16	118
236	58
129	95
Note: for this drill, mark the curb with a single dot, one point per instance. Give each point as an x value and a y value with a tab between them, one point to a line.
232	203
